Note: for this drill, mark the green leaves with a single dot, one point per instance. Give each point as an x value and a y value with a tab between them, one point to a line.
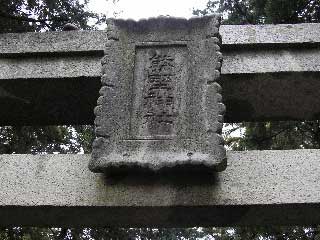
46	139
44	15
264	11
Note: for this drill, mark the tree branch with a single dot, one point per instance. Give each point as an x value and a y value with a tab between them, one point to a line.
240	10
306	5
28	19
299	10
261	140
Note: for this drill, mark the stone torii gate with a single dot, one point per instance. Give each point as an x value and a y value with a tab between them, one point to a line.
269	72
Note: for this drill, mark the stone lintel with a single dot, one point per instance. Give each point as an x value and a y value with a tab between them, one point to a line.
257	188
275	79
51	43
83	41
270	35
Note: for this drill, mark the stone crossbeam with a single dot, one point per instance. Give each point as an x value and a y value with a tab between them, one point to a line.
270	72
257	188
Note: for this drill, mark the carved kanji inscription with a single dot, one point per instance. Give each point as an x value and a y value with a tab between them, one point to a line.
160	74
158	94
160	104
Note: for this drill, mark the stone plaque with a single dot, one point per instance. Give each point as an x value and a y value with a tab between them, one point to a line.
160	107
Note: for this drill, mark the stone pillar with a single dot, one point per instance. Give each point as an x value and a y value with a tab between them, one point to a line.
160	107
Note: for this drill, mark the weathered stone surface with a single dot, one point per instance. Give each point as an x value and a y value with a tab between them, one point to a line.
160	106
253	61
84	41
280	82
257	188
12	44
50	67
163	29
280	34
50	78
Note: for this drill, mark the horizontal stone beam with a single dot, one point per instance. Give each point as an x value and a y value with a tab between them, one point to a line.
281	34
83	41
257	188
51	43
270	72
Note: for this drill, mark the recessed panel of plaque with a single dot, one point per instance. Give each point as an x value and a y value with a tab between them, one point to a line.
160	107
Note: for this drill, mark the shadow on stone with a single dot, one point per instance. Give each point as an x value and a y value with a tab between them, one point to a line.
179	177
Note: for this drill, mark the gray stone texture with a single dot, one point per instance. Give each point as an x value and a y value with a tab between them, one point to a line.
84	41
305	33
160	107
269	72
257	188
50	78
270	60
30	43
50	67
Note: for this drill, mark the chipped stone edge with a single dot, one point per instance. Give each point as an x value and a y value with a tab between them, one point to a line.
100	139
222	108
113	32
